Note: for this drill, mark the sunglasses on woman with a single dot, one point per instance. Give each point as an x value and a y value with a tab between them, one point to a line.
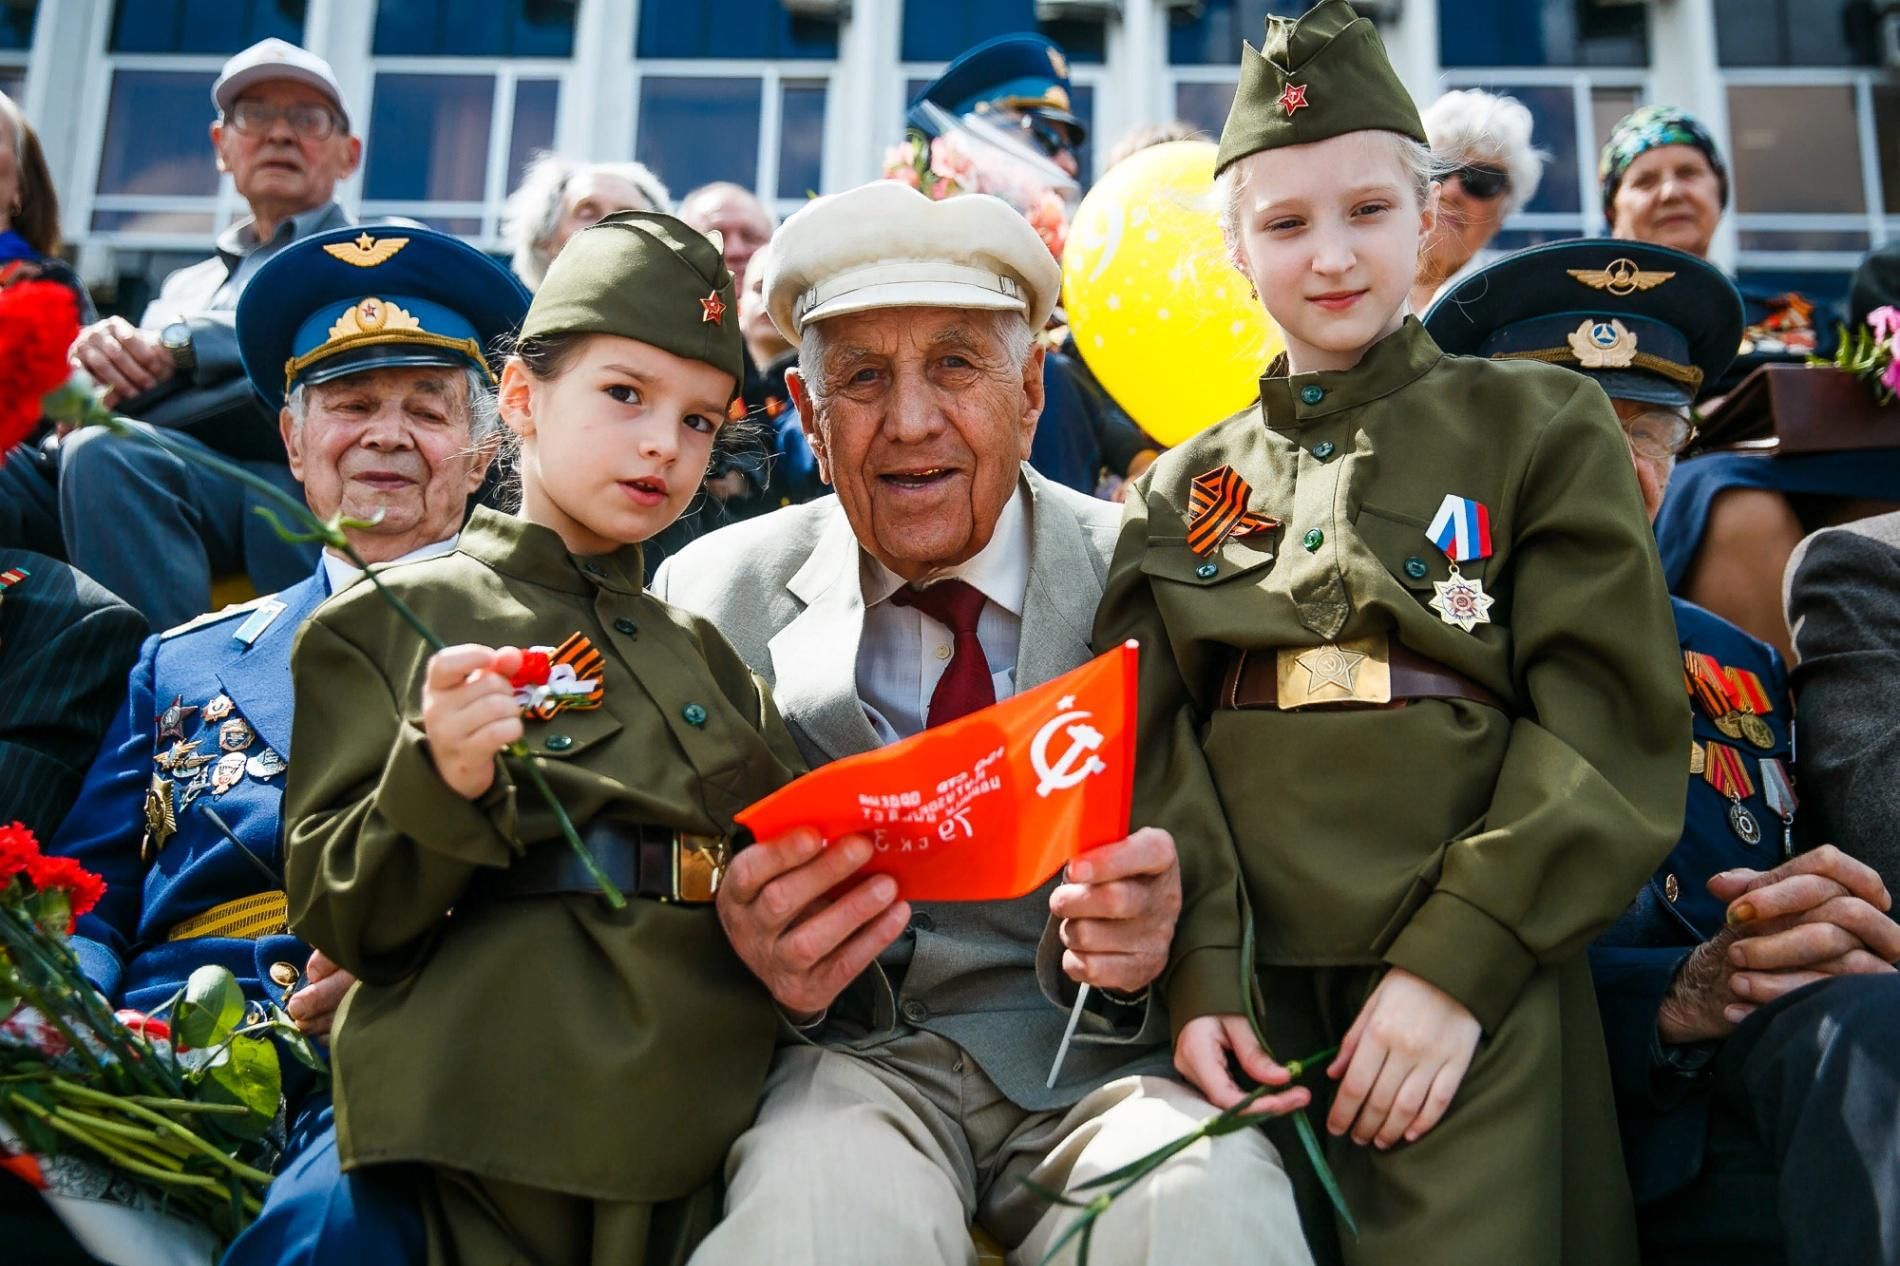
1481	182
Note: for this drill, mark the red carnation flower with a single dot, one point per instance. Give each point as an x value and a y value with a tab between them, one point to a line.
534	670
18	851
82	888
38	322
144	1025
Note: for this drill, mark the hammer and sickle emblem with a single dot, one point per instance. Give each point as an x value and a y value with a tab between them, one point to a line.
1078	760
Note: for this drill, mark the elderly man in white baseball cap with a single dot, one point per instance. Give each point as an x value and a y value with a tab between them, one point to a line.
909	1098
283	134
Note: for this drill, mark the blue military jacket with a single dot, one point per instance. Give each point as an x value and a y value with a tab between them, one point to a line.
1664	1110
234	666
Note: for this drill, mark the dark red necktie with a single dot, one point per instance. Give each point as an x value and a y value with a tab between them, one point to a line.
965	685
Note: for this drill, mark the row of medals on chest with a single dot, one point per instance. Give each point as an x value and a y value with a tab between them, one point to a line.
189	768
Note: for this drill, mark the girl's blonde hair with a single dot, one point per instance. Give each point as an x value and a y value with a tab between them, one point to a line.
1414	159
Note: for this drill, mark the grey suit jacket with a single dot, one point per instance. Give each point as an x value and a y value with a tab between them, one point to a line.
785	590
1843	595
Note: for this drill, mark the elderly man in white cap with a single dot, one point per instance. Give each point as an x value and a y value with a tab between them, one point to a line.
909	1096
147	526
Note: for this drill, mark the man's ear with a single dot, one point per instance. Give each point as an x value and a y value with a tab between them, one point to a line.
1034	396
352	159
293	440
217	145
517	397
808	420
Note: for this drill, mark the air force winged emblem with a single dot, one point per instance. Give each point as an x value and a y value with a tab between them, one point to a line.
365	251
1621	277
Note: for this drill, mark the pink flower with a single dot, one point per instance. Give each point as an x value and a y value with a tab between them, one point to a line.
1885	322
950	162
900	164
941	190
1890	376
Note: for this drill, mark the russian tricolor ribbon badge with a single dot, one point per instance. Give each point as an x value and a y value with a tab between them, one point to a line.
1462	528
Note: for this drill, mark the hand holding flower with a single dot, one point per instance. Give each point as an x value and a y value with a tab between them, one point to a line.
469	713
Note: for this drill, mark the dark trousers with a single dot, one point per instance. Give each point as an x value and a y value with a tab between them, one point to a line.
29	501
155	529
1803	1160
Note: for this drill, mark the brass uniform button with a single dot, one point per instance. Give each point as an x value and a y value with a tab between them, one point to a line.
284	975
1671	888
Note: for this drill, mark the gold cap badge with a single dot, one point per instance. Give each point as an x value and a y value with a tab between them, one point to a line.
1604	345
365	251
1622	277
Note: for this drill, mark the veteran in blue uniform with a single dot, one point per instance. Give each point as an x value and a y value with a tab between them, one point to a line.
1749	1002
372	347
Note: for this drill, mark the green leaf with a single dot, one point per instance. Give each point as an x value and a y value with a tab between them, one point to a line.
212	1008
300	1046
1310	1141
246	1072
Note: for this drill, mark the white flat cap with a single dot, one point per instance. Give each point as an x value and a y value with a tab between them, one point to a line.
275	59
885	245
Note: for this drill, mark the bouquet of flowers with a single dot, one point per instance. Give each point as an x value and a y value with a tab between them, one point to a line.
1872	353
978	154
180	1103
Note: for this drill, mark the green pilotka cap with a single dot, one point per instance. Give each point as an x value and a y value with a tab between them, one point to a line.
1317	78
646	276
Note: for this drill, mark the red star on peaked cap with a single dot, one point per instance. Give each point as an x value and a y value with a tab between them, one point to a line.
885	245
1293	99
712	309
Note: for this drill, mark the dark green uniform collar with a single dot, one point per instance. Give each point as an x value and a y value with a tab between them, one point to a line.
1290	401
528	551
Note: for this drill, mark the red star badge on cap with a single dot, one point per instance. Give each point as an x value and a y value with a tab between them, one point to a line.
1294	98
712	309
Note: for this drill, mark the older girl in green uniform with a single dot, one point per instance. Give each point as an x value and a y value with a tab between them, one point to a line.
1410	702
569	1074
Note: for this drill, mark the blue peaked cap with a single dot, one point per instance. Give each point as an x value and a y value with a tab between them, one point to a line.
1018	72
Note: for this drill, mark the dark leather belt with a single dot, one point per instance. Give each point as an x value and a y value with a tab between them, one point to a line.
643	861
1330	677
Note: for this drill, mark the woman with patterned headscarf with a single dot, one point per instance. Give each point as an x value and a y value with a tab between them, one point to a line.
1729	523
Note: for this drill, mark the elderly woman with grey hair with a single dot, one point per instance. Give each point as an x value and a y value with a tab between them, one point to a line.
1487	169
558	197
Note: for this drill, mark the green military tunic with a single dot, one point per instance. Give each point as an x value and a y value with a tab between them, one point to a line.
1481	849
545	1043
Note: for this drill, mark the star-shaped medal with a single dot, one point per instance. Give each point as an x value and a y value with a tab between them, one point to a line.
1330	666
1461	602
1293	99
171	722
712	310
160	822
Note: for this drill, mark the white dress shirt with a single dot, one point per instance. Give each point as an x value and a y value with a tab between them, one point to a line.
340	571
903	652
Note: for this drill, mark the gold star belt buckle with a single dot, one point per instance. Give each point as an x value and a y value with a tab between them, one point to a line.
699	864
1356	671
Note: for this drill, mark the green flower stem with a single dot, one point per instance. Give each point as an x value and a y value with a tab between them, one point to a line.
146	1145
333	536
164	1125
116	1155
187	1106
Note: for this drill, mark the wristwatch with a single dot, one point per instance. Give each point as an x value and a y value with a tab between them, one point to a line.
176	339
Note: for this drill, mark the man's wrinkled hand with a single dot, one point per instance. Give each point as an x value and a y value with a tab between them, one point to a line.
314	1006
1201	1055
1118	911
122	358
788	915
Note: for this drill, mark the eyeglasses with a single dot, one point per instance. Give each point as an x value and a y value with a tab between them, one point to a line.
309	121
1051	138
1659	434
1482	182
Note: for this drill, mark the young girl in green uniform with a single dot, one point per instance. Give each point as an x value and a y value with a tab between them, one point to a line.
1410	703
570	1075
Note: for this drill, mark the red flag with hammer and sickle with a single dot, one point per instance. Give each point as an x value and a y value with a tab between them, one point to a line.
988	806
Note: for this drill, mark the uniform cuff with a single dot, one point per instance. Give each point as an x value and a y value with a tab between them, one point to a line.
414	800
1204	982
100	965
1467	953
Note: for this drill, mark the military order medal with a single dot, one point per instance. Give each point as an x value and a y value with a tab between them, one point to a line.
1751	703
1777	788
1698	761
161	823
171	721
1709	685
1729	776
1461	528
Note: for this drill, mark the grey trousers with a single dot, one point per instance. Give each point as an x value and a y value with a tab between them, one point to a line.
155	529
887	1157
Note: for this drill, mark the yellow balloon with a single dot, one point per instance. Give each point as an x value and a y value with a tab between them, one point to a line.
1160	315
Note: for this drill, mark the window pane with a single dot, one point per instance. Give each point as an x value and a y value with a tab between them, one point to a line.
1542	33
197	223
13	82
1213	36
156	134
1795	149
16	24
938	32
1803	240
733	28
536	101
1082	99
801	143
1204	105
1887	136
1608	107
428	137
203	26
1796	33
476	28
694	130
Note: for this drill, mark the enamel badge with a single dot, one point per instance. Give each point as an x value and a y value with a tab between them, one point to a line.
1293	100
1461	528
